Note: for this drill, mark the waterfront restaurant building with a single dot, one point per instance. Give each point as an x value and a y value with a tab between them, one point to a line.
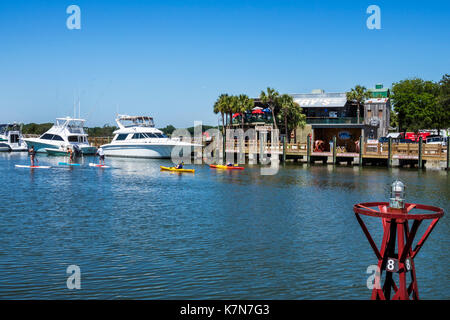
331	114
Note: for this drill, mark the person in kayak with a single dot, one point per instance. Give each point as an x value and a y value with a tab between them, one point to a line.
32	154
180	165
101	156
229	164
70	154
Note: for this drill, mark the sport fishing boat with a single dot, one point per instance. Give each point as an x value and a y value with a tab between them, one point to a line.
137	137
11	138
65	133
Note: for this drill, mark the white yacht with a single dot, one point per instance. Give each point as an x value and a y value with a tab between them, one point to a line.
65	133
137	137
11	138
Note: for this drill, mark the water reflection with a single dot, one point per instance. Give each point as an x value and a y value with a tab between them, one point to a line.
137	232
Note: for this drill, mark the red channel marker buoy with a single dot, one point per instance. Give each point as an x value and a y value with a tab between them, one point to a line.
395	216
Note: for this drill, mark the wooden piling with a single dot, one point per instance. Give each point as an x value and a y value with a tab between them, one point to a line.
389	160
334	149
284	149
420	152
224	149
361	147
448	151
308	149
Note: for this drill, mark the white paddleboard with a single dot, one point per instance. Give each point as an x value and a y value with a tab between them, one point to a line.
97	165
35	167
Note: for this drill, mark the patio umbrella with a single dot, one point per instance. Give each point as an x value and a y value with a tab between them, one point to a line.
257	108
267	110
257	111
236	115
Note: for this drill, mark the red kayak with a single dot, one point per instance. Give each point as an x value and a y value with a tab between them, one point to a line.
218	166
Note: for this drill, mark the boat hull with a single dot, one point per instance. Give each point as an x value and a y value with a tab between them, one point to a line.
139	151
4	147
42	147
16	147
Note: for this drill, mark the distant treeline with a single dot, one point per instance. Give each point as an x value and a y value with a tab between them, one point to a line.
105	131
168	130
36	128
40	128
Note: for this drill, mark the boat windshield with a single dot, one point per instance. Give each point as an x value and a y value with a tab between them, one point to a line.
143	121
73	125
4	128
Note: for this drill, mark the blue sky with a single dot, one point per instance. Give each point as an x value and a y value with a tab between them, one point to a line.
171	59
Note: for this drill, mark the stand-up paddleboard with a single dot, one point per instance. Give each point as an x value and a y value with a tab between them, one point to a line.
97	165
68	164
33	167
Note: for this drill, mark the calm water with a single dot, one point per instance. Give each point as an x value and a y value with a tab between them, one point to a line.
139	233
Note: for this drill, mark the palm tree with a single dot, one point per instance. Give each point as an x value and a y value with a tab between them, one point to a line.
220	106
291	112
231	108
244	103
358	95
270	98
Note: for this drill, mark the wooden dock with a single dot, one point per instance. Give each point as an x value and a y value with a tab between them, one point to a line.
383	154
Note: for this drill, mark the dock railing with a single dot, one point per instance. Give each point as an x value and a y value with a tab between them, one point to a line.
370	150
99	141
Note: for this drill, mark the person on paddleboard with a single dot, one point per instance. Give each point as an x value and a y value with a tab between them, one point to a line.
71	154
32	154
101	156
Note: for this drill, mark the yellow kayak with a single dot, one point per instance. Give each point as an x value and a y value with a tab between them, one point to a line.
177	170
218	166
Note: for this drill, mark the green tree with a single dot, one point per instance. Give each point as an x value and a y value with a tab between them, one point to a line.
442	114
221	106
393	119
233	107
34	128
416	103
269	98
358	95
292	114
168	130
244	103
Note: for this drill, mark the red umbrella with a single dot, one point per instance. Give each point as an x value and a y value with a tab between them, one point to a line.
236	115
257	111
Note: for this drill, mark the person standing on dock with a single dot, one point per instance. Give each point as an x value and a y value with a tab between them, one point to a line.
32	153
101	155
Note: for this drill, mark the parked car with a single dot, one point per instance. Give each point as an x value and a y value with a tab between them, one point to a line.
437	140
